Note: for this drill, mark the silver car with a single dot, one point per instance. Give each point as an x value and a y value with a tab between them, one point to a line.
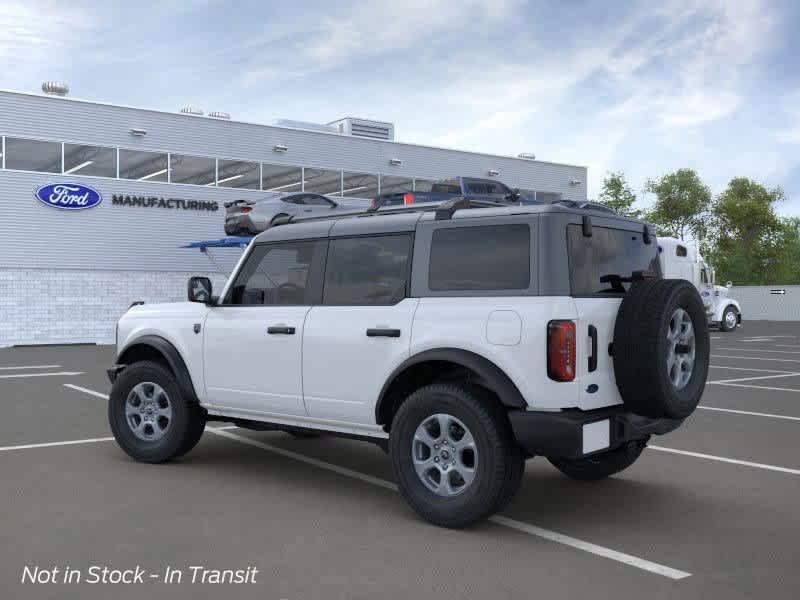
249	217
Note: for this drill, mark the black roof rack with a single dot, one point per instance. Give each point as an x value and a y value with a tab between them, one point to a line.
443	210
586	206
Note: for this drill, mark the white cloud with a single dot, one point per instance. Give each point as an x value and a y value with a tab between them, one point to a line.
31	34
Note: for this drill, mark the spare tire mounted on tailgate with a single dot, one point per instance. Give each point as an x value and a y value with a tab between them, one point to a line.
661	348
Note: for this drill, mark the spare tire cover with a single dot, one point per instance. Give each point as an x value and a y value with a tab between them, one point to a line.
661	348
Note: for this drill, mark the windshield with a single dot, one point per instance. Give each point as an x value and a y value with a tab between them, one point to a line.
606	262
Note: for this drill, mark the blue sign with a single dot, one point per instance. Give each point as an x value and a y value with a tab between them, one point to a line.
68	196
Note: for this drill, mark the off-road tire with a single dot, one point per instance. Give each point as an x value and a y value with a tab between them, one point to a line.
186	424
641	348
723	324
499	466
600	466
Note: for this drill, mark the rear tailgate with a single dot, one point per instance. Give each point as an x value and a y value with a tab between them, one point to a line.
595	368
615	251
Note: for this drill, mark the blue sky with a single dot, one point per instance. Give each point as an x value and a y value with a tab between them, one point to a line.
640	87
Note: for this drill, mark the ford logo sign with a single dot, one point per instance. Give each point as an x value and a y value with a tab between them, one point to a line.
68	196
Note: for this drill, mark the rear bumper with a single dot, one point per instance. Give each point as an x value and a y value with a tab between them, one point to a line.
576	433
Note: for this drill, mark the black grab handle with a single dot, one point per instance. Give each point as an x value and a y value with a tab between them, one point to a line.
593	356
383	333
281	329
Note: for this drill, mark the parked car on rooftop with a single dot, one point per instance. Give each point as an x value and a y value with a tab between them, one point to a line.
249	217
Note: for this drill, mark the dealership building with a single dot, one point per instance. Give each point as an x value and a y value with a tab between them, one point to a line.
136	184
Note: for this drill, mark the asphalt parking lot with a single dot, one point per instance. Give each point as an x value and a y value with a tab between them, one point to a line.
712	510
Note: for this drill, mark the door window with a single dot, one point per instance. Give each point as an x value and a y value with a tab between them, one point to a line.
282	274
367	271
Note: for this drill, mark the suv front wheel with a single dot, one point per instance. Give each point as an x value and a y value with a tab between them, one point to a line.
454	455
150	418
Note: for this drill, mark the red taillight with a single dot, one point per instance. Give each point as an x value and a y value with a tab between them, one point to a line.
374	204
561	350
246	209
408	198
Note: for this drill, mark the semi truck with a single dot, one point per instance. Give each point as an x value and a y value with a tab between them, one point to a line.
682	260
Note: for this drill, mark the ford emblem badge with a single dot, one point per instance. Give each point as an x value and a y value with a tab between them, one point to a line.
68	196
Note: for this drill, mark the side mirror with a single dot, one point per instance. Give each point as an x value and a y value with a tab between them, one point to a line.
199	290
729	285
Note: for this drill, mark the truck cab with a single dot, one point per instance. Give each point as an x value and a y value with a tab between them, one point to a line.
682	260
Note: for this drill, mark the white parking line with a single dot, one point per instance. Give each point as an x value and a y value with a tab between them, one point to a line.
786	345
752	378
566	540
734	461
20	375
748	369
86	391
760	387
793	360
30	367
553	536
51	444
760	350
750	413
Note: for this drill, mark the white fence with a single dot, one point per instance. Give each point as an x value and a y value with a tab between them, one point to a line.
768	302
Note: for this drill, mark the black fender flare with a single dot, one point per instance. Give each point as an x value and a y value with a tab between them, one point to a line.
171	355
493	376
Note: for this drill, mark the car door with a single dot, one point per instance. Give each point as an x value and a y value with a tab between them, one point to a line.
253	340
311	205
362	330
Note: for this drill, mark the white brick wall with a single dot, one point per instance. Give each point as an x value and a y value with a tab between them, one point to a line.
40	306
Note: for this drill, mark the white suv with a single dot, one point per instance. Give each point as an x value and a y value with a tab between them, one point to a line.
462	338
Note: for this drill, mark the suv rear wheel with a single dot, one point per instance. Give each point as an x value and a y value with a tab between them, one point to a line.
600	466
454	455
151	420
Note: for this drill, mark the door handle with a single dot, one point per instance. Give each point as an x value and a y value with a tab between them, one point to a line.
282	329
593	355
377	332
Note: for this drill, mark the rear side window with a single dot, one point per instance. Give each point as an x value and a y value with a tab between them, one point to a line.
280	274
490	257
367	271
445	188
598	263
488	188
681	251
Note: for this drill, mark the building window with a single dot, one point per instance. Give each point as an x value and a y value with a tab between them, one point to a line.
367	271
238	174
90	160
280	178
33	155
144	166
323	181
506	267
360	185
396	185
195	170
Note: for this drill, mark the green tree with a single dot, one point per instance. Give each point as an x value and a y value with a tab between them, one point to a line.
682	201
617	194
749	242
